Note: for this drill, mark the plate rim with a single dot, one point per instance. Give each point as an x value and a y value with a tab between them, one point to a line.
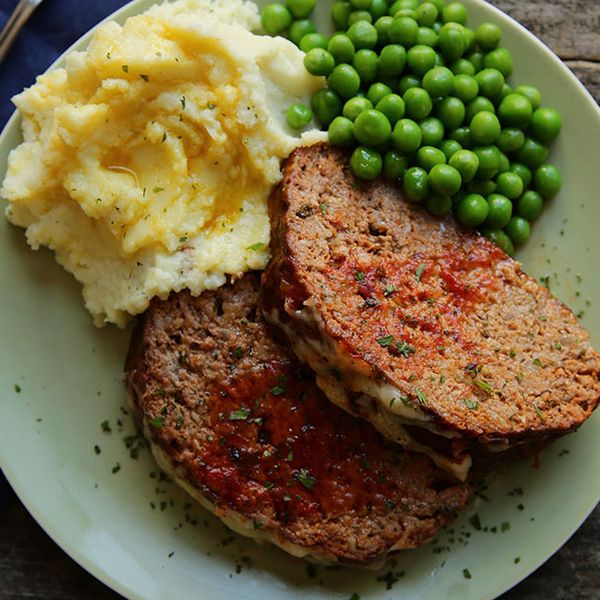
91	566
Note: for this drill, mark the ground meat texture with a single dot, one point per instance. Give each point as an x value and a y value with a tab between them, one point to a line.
443	315
243	423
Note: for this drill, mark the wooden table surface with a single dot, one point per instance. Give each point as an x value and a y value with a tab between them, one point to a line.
33	567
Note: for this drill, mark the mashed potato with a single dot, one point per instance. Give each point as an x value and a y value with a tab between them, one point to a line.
148	159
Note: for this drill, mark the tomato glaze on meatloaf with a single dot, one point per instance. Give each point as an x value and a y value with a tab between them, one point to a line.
238	422
430	332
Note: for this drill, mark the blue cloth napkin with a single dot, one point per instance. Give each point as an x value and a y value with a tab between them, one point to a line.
54	26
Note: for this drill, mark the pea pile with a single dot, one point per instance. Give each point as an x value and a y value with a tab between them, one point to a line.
424	100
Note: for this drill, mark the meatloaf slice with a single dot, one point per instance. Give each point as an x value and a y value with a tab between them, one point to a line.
430	332
240	424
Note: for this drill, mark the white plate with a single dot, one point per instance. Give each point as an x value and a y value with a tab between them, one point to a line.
69	374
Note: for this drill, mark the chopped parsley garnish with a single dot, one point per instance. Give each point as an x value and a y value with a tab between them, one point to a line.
125	68
182	100
268	485
97	449
476	522
306	479
157	189
146	78
390	504
471	404
105	426
421	395
256	246
360	276
385	341
157	422
211	106
277	390
537	362
241	414
164	137
389	289
484	385
183	240
466	574
406	401
538	411
323	208
116	468
505	526
404	348
517	560
17	388
419	272
355	596
238	353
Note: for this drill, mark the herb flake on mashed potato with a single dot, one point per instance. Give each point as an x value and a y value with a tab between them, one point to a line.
148	160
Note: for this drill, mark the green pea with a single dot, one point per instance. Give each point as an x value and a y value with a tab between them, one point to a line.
515	110
487	36
485	127
451	41
547	180
439	4
469	35
428	156
451	112
484	187
509	184
438	82
490	82
377	92
472	210
449	148
546	124
444	179
415	184
531	93
530	205
518	230
504	164
372	128
411	14
407	82
406	136
366	163
462	67
403	31
300	9
465	87
426	37
478	104
500	239
355	106
510	139
476	59
391	60
455	12
340	46
403	4
360	15
420	59
466	163
340	13
489	161
499	59
363	35
427	14
382	26
394	164
499	211
532	153
275	18
418	103
365	64
326	106
298	116
523	172
361	4
340	132
462	135
298	29
438	204
506	90
378	8
392	106
432	130
439	60
313	40
344	80
319	62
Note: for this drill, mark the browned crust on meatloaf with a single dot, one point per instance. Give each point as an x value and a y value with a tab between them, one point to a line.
496	357
243	426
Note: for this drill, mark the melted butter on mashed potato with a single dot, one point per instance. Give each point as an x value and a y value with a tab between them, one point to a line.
148	159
